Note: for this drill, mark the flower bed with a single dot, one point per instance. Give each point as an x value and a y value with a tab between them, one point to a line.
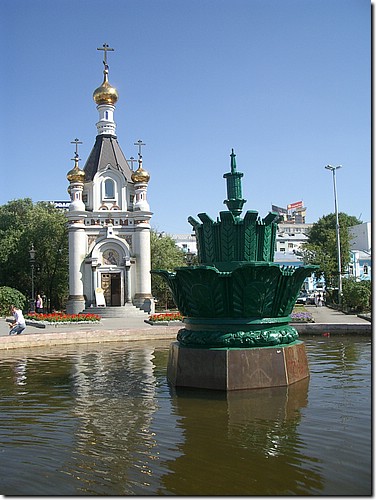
61	317
164	318
301	317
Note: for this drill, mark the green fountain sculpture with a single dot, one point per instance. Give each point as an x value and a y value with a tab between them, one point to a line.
236	303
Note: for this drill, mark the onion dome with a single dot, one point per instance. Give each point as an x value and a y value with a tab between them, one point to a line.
140	175
76	174
106	93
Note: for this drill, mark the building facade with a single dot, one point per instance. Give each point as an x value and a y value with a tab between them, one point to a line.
360	265
108	219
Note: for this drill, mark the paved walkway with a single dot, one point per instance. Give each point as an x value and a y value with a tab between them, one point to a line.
132	329
327	315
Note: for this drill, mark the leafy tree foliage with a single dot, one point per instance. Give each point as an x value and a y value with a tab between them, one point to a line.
164	255
22	224
321	247
356	294
10	296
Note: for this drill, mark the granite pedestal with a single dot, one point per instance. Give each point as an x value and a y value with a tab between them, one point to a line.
234	369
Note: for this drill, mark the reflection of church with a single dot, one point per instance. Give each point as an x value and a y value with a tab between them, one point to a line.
108	219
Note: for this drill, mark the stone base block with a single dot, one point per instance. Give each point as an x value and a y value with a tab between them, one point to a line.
145	302
234	369
75	304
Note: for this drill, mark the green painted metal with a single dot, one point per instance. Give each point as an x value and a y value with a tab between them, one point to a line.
237	296
234	200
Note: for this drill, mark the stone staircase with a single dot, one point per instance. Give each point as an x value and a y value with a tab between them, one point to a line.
126	311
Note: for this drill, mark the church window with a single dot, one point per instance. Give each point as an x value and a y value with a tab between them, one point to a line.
106	115
365	269
109	189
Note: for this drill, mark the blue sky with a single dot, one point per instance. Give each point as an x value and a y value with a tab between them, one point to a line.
286	83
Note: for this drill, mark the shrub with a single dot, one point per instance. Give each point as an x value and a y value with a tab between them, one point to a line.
9	296
356	295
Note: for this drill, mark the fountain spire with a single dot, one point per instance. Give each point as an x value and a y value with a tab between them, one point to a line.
234	200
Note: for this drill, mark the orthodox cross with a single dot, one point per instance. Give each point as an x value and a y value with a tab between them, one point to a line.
139	143
105	48
76	142
131	159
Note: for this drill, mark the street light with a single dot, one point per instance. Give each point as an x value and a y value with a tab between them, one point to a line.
32	262
333	170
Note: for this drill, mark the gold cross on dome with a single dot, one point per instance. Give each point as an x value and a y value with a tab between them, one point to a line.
105	49
76	142
139	143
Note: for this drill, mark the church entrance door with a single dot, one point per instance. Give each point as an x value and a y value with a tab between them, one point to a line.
111	285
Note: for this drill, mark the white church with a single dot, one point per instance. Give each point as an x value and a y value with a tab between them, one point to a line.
108	220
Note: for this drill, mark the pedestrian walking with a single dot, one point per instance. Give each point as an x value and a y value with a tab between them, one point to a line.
18	325
319	300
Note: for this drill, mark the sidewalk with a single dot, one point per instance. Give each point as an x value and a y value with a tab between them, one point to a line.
330	321
327	315
132	329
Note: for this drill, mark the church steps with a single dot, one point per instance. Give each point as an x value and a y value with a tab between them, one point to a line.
126	311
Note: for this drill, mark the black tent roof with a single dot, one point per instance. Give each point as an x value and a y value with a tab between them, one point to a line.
106	150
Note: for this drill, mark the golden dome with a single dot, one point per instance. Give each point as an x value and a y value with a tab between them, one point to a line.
140	175
105	94
76	174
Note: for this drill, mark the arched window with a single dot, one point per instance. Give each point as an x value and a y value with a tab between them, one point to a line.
106	115
365	269
109	189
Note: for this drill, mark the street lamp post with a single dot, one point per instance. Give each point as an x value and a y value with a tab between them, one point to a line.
32	262
333	170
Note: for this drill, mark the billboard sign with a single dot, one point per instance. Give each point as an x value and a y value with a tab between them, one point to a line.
294	206
279	210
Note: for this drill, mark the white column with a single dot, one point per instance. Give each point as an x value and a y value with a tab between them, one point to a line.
77	253
143	297
128	283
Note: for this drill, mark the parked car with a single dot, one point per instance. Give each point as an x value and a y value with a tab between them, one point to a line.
302	299
311	298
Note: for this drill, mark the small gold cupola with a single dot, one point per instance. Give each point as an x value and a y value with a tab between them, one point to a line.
76	174
106	93
140	175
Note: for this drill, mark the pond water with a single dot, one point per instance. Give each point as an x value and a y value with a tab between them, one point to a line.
102	420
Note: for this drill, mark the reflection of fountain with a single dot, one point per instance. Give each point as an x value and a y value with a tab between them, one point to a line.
256	431
236	303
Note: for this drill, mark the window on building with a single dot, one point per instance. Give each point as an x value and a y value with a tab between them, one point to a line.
365	269
109	189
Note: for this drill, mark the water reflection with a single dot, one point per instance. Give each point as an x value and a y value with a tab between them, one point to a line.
237	443
101	420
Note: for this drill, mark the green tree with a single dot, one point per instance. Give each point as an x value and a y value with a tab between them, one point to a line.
22	224
10	296
321	247
356	294
164	255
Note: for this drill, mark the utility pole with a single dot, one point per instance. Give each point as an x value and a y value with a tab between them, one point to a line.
333	170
